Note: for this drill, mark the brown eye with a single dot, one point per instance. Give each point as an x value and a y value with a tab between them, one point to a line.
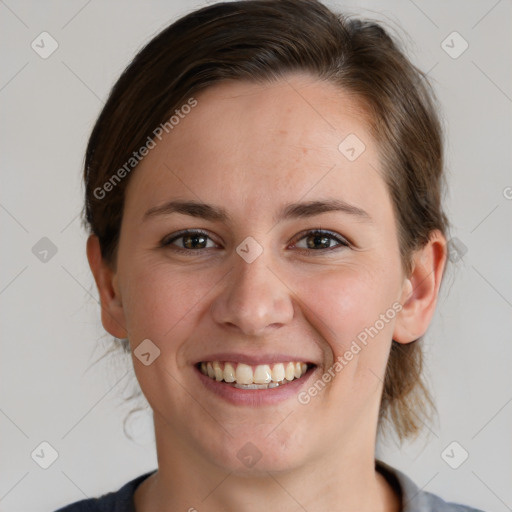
189	240
194	241
318	240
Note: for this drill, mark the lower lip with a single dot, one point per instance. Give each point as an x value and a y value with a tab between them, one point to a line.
255	397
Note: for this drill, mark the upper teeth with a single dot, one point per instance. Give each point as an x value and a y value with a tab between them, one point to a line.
261	374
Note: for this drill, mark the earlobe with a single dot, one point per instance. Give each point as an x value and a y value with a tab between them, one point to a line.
112	313
421	290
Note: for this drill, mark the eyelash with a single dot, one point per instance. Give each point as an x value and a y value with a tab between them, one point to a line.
343	243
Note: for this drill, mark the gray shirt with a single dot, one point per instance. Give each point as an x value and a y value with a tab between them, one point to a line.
413	498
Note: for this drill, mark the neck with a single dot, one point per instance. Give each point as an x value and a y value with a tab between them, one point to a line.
345	479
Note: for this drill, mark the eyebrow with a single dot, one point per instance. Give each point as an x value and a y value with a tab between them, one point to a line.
289	211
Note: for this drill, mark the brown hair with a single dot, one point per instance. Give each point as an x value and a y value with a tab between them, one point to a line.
261	41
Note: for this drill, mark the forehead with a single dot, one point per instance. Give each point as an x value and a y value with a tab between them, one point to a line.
252	145
251	122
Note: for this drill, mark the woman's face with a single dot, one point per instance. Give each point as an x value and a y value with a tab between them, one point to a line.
257	286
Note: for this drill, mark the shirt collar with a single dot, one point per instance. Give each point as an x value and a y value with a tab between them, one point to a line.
413	498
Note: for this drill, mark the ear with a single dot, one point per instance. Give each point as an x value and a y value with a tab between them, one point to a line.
112	313
421	289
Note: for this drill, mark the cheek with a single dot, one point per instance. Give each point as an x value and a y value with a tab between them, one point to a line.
162	302
347	304
164	305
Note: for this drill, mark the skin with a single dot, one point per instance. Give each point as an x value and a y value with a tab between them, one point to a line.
252	149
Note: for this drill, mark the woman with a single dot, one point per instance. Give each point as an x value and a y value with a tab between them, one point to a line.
263	193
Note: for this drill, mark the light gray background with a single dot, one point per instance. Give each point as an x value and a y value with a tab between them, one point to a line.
51	332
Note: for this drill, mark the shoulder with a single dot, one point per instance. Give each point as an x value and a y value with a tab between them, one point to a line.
413	498
431	502
118	501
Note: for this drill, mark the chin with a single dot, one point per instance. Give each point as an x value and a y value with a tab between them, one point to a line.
257	455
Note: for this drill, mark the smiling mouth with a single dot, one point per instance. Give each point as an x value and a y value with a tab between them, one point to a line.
262	376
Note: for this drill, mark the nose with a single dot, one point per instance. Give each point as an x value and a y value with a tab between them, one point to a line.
254	299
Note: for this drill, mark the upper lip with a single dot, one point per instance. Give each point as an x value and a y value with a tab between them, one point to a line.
255	359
